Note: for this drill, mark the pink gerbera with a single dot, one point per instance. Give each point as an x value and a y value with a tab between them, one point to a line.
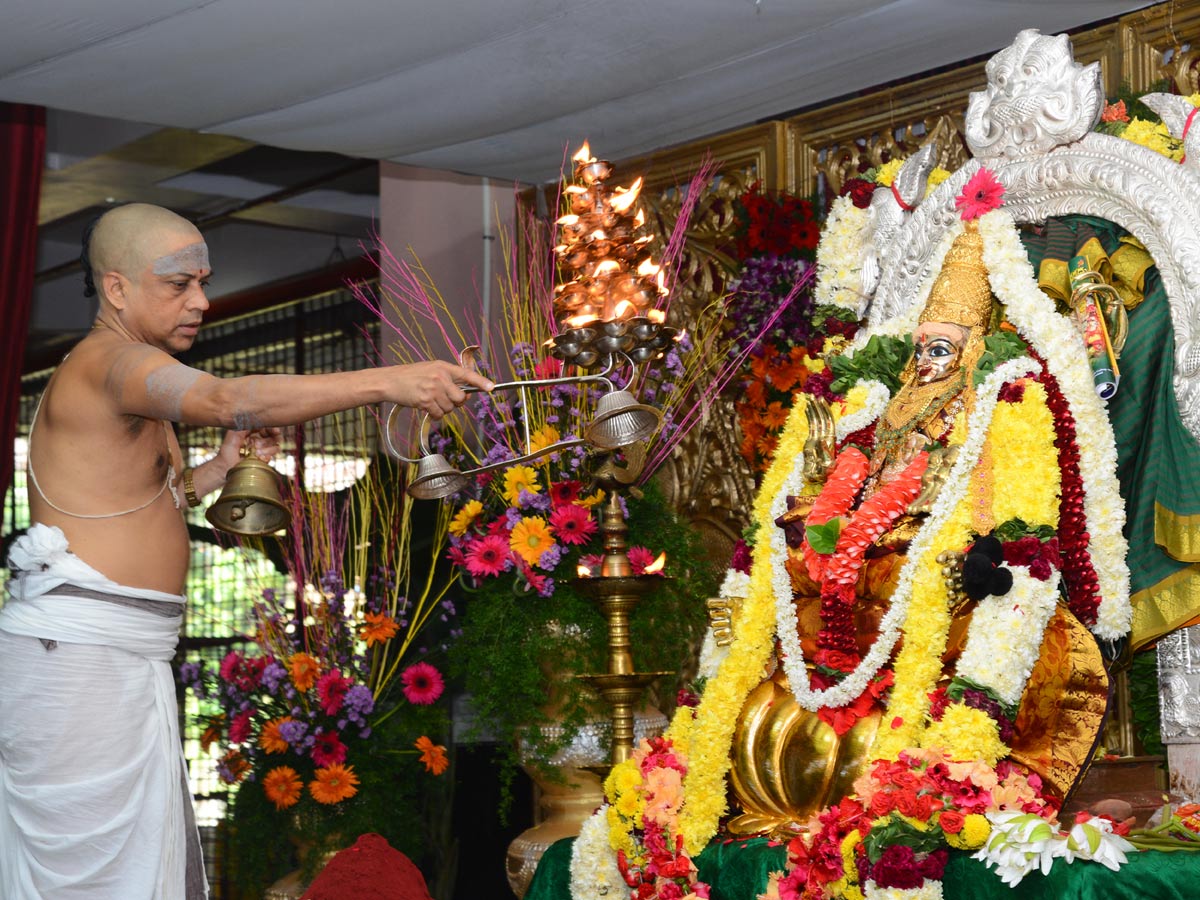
487	555
328	750
980	195
639	558
422	684
331	689
592	563
572	524
239	726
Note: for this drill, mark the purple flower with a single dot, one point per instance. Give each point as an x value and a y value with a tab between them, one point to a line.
550	558
293	732
359	700
273	675
526	500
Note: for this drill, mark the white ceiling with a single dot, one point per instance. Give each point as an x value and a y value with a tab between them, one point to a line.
489	87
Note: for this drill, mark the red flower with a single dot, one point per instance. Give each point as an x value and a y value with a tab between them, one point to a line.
572	524
328	750
897	868
980	195
1012	392
639	558
951	821
860	191
423	684
562	492
1114	112
239	728
331	690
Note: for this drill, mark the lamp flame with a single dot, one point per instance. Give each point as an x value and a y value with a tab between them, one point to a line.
622	309
584	154
583	571
648	267
657	566
580	321
657	316
640	219
569	219
608	265
625	199
575	189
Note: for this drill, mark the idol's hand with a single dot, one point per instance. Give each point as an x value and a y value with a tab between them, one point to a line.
822	440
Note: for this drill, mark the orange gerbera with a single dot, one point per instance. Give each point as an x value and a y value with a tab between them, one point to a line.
380	627
270	739
786	374
283	787
433	755
305	671
531	538
212	734
334	784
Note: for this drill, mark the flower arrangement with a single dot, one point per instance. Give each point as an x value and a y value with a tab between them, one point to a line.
771	314
331	725
1132	120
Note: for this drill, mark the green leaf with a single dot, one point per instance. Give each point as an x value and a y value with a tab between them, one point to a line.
824	538
882	359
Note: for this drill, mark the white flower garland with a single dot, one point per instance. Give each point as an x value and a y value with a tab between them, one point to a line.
1006	634
840	257
1059	343
930	890
952	493
594	872
877	400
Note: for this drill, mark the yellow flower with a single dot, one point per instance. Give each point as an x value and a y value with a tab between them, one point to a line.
936	177
629	804
849	842
1025	433
591	500
1154	136
543	437
967	733
517	479
531	538
975	832
624	778
886	173
464	517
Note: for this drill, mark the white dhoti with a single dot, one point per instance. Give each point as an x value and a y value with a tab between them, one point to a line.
93	800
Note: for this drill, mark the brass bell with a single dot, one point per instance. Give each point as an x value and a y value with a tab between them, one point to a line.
436	478
620	421
250	503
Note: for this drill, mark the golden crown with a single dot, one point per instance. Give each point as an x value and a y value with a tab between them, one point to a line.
961	293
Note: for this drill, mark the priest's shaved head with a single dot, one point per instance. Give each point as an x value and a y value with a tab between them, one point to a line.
139	239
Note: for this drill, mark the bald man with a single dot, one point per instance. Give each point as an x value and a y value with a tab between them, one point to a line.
93	794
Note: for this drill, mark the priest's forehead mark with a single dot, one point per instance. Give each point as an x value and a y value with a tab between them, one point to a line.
188	260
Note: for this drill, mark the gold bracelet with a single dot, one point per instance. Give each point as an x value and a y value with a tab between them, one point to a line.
189	488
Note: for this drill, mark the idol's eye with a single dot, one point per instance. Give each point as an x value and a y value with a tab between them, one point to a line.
939	348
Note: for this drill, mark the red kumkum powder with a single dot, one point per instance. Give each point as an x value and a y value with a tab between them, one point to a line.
370	870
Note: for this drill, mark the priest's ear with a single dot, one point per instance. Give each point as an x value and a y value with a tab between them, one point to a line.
113	287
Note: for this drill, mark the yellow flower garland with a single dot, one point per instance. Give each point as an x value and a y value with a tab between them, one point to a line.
1024	431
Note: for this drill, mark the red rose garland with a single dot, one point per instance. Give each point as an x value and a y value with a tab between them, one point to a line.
1083	588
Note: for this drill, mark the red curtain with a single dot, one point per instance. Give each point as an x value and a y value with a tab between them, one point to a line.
22	152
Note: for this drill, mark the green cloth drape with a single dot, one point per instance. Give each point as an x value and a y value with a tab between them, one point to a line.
738	871
1158	460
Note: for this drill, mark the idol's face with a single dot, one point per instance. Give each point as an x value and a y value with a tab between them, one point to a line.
938	347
